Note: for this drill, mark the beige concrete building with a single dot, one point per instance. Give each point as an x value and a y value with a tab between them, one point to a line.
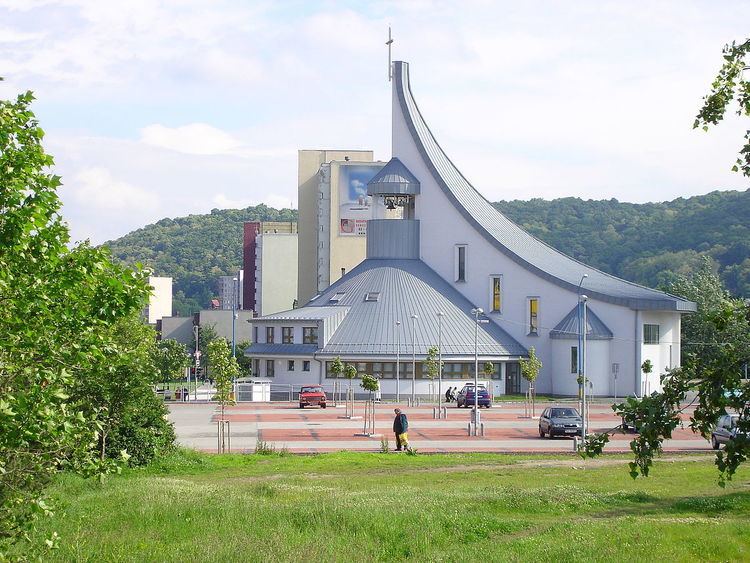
275	272
160	299
333	212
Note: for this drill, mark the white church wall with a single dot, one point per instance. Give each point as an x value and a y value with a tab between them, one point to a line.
443	227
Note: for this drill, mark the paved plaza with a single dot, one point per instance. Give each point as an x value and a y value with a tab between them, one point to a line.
310	430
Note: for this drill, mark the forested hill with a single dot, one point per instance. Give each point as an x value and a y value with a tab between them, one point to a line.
645	243
194	250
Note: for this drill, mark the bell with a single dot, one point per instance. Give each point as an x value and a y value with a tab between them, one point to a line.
390	205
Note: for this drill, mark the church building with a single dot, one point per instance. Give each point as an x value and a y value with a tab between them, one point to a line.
445	269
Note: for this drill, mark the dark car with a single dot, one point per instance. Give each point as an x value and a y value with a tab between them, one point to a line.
312	395
726	430
465	397
560	421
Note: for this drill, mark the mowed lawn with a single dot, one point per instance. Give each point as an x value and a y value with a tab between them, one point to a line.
369	506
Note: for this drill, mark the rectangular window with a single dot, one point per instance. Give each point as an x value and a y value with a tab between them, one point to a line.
650	334
533	315
290	365
269	335
287	334
310	335
255	334
574	359
496	295
269	368
460	259
372	296
256	367
305	365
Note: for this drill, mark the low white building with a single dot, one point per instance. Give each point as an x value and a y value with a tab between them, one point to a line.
437	251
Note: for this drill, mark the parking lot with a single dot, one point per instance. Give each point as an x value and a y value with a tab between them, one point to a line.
309	430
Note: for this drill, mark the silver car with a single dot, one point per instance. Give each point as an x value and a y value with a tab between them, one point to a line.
726	429
560	421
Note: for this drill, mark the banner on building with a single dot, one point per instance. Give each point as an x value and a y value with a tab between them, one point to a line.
355	206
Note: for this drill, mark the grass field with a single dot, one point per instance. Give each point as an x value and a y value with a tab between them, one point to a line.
361	507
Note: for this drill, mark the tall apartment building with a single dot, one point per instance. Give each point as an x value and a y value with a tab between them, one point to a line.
270	266
159	300
333	211
230	294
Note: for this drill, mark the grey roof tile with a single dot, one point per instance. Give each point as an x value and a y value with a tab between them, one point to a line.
509	238
407	287
393	178
568	327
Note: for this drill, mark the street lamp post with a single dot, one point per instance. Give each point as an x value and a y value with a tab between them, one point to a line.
398	360
476	312
440	316
413	359
580	342
584	414
196	328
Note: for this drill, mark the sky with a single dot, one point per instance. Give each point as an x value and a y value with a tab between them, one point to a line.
158	109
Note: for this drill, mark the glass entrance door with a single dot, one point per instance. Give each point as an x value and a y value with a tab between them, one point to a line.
512	378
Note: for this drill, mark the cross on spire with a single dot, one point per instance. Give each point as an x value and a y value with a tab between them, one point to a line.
390	65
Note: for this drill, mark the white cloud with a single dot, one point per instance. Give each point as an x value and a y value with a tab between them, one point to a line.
195	138
96	189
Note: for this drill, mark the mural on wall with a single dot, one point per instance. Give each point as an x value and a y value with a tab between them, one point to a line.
355	206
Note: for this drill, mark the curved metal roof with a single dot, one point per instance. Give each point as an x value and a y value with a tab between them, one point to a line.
393	178
406	288
509	238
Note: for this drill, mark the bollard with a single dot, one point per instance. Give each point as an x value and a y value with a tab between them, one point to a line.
435	412
481	426
575	443
445	413
468	429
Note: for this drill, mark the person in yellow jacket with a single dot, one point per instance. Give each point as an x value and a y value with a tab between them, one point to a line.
400	426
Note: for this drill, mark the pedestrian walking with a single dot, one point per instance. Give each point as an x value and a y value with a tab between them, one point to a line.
400	427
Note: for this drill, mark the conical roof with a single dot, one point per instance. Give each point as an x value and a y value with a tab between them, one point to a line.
568	327
393	178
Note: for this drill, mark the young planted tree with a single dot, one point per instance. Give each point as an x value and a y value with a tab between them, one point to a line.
647	368
206	335
530	368
57	306
432	365
224	370
350	372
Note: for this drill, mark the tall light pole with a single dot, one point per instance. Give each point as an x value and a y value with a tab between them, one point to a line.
196	328
476	312
413	359
440	316
398	360
584	414
580	340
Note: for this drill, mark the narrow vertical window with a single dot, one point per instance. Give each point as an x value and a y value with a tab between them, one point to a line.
533	315
269	368
269	335
574	359
496	293
290	365
460	266
287	335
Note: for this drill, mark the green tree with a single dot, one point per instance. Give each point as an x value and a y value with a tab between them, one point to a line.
350	372
716	346
224	371
58	304
729	85
244	362
370	383
337	367
118	393
206	335
170	358
530	368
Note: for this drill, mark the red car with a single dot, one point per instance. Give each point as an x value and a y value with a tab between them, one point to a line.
312	395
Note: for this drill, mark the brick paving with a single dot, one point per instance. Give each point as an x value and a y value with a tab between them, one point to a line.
309	430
